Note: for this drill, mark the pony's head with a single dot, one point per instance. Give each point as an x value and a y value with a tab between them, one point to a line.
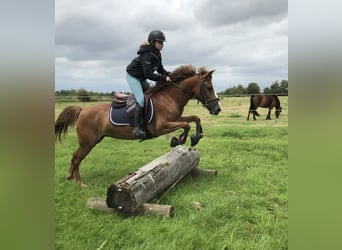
206	93
196	84
277	106
277	112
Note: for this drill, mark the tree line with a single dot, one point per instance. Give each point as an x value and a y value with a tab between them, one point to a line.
83	95
253	88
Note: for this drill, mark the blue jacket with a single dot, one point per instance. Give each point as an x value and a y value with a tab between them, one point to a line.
146	63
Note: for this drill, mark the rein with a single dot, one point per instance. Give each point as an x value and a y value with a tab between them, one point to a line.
191	95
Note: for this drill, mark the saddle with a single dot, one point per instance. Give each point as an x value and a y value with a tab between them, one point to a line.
122	110
123	100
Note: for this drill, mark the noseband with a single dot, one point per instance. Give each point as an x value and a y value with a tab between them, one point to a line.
202	98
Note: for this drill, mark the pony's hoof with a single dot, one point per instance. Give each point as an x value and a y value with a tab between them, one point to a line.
82	185
194	140
69	176
174	142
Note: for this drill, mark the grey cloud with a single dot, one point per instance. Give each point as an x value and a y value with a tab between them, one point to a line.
82	37
244	41
218	13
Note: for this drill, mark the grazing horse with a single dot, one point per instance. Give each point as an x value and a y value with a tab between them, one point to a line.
264	101
93	123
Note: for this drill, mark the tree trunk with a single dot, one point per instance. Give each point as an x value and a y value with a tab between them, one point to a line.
131	192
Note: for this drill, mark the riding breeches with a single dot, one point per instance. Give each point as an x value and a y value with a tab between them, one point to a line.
137	88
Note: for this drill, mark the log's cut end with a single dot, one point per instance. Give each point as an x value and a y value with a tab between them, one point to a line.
120	199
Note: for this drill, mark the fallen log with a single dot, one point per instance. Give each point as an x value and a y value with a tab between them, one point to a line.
198	171
132	191
99	204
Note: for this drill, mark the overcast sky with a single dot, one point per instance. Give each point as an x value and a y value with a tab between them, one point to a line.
243	40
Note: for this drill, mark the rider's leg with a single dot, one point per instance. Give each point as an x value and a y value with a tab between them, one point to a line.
136	87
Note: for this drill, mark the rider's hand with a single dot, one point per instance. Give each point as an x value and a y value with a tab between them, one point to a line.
168	79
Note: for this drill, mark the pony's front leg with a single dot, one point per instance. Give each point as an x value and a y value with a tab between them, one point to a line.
182	138
199	131
199	134
268	117
168	127
183	122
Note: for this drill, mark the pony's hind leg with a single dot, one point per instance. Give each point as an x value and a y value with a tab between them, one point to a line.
76	159
75	162
80	154
88	137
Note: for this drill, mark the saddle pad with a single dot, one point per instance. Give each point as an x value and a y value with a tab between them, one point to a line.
120	117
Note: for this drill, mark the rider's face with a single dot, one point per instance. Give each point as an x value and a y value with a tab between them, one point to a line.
159	45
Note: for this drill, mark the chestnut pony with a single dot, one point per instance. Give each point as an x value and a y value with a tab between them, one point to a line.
264	101
169	99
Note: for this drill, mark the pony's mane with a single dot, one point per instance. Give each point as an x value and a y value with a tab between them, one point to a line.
202	70
182	72
179	74
277	100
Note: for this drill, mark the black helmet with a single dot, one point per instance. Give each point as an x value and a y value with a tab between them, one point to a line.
156	35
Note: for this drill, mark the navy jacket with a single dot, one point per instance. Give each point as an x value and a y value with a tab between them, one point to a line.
146	63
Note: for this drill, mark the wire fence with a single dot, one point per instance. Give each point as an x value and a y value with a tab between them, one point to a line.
109	98
248	95
75	98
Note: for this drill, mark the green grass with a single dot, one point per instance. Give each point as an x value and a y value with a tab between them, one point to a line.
244	207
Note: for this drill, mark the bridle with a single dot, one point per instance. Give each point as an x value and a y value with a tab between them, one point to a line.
202	98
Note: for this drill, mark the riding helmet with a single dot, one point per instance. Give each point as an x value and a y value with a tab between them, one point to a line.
156	35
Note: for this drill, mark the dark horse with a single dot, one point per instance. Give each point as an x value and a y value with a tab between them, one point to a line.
168	100
264	101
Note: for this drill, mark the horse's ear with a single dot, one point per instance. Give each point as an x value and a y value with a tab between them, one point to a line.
209	74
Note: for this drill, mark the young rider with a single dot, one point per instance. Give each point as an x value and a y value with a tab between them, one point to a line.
147	65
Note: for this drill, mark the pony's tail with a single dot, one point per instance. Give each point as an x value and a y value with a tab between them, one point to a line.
66	118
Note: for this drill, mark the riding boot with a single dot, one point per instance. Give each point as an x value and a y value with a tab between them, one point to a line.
137	131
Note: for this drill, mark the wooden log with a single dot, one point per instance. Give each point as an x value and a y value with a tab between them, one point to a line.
131	192
197	171
99	204
157	209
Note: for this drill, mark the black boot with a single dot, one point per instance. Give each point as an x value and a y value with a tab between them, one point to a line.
137	131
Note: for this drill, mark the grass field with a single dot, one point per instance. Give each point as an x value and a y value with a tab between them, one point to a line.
244	207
